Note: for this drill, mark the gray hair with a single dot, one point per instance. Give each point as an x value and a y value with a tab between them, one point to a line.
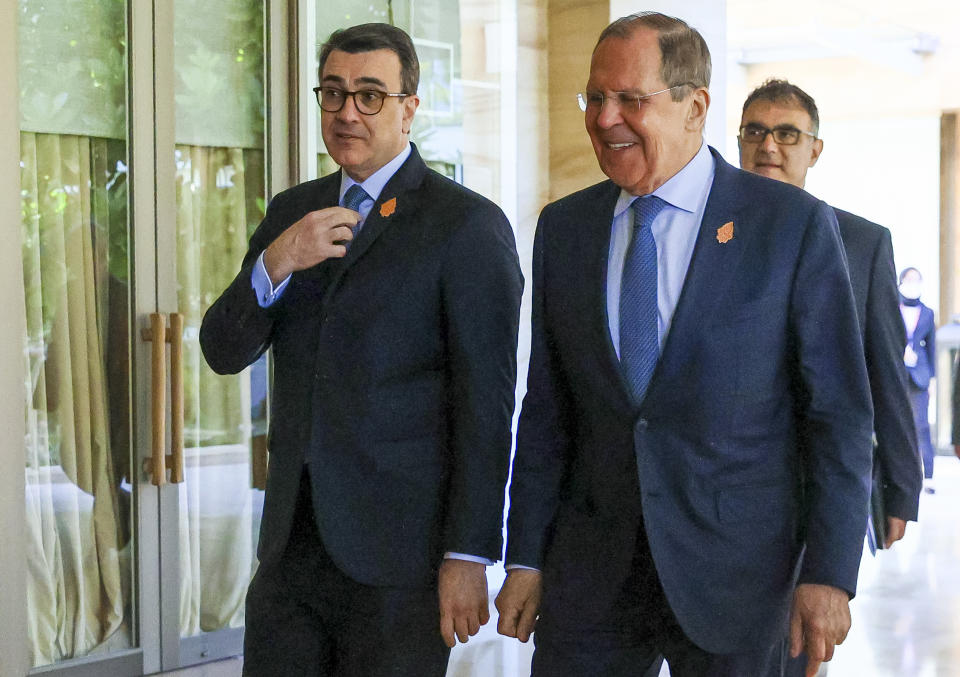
684	55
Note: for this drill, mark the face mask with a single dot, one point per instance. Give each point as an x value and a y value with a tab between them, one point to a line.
910	290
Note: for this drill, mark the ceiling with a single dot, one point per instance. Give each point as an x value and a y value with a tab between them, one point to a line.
879	31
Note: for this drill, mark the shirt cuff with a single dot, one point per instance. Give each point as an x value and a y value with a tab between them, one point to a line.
263	286
510	567
468	558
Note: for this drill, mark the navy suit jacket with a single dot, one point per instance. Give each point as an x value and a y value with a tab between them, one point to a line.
923	341
752	443
874	280
394	372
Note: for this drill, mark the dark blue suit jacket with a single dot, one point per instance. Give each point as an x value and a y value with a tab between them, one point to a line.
393	373
874	279
753	441
923	341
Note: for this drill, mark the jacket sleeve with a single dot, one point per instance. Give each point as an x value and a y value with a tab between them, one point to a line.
834	411
235	330
884	343
931	347
482	288
542	438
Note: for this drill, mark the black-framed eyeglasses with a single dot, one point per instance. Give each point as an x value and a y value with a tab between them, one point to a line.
784	136
626	100
367	101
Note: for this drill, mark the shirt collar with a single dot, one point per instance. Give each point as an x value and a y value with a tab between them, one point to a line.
683	190
374	184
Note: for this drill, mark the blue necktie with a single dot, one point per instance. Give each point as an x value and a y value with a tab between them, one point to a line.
352	199
639	343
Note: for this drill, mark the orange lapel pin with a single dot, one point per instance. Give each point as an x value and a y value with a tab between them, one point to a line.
725	232
388	207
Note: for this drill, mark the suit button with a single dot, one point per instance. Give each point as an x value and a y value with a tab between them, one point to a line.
642	424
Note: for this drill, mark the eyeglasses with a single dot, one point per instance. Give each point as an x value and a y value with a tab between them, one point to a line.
784	136
627	100
367	101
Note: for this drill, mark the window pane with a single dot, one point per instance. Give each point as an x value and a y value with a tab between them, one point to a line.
72	70
221	199
457	126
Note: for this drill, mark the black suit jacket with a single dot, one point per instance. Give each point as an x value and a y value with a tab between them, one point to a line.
761	383
874	280
394	371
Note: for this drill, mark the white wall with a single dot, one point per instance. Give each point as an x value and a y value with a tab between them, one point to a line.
888	171
709	17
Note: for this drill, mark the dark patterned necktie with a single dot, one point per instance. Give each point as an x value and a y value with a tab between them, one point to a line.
639	342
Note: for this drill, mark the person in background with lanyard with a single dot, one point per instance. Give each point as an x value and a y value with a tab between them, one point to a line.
920	360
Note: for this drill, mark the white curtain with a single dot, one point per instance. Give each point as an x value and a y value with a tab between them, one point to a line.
76	581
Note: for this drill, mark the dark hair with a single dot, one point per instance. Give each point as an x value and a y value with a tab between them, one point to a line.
903	273
781	91
684	55
371	37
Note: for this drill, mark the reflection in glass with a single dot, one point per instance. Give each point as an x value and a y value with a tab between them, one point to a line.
457	126
220	192
73	159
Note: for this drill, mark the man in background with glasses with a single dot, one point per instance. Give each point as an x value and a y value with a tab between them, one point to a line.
390	297
778	139
693	454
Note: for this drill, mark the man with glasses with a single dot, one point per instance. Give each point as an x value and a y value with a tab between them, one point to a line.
390	298
692	423
778	139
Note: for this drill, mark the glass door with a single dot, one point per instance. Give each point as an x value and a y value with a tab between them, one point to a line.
81	488
143	171
218	199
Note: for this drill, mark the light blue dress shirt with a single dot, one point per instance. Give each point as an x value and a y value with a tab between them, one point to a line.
675	232
373	186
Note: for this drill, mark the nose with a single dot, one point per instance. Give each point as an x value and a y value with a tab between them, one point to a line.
349	110
768	145
609	114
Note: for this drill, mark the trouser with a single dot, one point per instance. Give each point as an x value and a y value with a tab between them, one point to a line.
306	617
637	635
920	401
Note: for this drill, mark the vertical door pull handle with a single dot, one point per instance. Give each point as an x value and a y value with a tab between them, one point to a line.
158	397
159	335
176	397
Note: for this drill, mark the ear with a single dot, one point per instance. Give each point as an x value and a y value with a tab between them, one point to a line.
410	105
697	106
815	149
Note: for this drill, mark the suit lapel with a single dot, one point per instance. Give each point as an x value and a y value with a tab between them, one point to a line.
397	203
716	257
327	195
597	267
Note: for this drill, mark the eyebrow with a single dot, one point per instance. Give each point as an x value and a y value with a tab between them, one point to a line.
786	126
366	80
